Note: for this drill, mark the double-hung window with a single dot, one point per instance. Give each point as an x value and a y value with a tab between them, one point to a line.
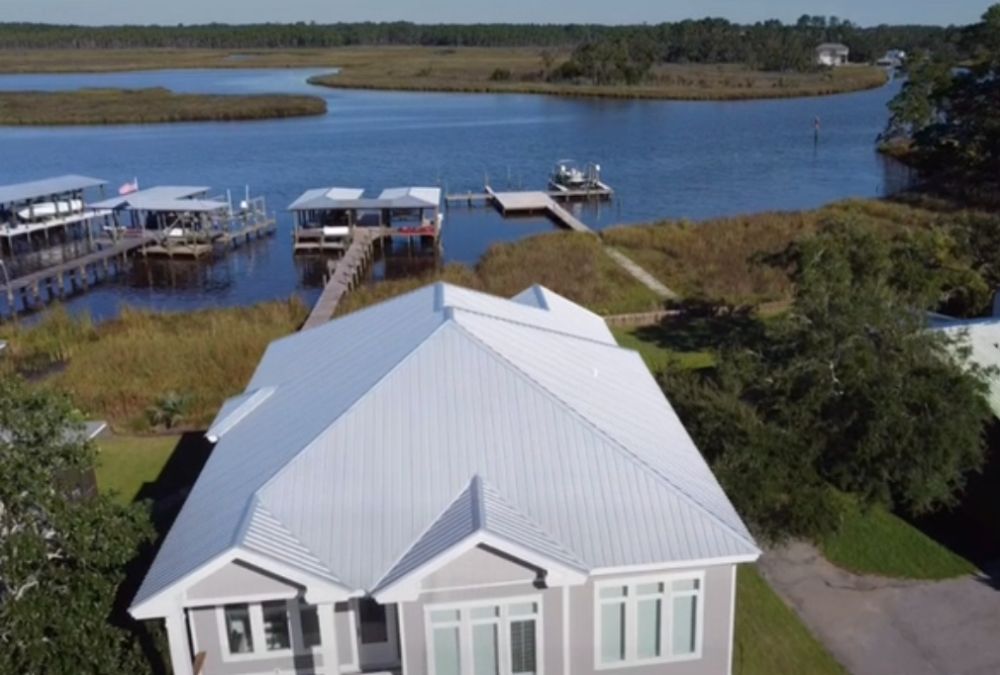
484	638
251	630
648	620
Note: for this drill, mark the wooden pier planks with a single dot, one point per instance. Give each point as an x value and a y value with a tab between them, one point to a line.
345	274
35	279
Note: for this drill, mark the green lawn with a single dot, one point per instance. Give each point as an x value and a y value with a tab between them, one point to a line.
874	541
125	463
770	639
659	354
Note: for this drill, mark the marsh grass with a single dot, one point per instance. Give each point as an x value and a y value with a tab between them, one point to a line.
524	71
465	69
724	259
147	106
571	264
119	369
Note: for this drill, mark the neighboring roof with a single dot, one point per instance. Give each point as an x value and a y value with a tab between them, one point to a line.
982	337
325	198
522	414
164	198
431	196
832	47
351	199
47	187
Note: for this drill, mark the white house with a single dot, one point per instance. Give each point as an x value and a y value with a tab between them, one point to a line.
832	54
451	483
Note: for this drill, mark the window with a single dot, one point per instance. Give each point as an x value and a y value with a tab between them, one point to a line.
491	639
648	620
277	635
252	631
238	631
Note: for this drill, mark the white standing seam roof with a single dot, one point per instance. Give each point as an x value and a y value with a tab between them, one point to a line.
164	198
352	198
47	187
391	434
325	198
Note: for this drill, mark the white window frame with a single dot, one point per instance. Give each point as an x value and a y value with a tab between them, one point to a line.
260	651
631	602
464	623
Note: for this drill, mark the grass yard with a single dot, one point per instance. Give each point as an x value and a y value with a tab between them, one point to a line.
770	638
657	354
147	106
874	541
126	463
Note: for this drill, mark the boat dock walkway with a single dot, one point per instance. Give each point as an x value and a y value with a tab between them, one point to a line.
515	203
346	272
79	271
641	275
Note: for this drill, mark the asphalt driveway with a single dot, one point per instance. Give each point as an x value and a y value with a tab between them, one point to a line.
877	626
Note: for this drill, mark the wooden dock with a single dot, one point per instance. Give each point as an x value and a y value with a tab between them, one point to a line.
37	288
601	194
346	273
513	203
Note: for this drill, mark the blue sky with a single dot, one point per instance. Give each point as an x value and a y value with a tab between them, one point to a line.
865	12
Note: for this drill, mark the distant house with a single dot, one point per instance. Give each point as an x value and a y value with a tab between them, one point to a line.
894	58
832	54
451	483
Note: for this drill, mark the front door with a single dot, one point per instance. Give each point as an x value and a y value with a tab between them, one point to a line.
378	634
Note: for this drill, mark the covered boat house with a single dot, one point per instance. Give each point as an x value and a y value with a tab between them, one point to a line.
47	221
187	221
326	218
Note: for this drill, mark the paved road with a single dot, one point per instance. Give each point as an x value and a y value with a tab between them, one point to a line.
877	626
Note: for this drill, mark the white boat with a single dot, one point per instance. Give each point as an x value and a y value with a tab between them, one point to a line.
48	210
567	175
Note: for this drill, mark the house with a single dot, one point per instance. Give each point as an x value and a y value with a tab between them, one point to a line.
894	58
451	483
981	337
832	54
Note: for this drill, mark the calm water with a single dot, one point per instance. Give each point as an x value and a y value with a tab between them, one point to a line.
665	159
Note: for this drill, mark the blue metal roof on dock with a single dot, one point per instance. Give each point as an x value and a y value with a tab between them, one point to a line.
46	187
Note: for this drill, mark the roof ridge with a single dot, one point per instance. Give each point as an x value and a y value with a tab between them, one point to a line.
467	488
485	486
611	439
544	329
256	503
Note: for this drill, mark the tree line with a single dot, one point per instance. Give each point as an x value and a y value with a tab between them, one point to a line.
944	121
771	45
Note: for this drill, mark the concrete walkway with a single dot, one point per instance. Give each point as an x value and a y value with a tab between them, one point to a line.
641	275
877	626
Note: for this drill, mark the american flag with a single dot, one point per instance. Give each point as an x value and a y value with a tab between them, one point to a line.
129	188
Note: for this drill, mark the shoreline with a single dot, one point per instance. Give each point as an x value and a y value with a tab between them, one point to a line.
468	70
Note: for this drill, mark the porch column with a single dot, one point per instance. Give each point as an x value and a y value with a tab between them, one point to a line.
328	637
180	650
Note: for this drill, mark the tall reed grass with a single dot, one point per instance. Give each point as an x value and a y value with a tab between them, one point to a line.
118	369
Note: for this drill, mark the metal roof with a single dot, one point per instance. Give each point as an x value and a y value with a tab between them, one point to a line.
343	199
46	188
320	198
982	338
165	198
524	413
832	47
